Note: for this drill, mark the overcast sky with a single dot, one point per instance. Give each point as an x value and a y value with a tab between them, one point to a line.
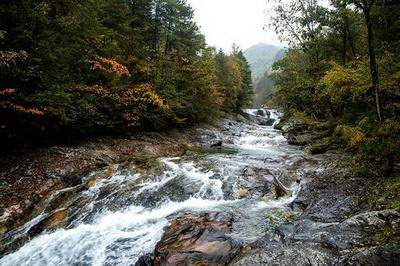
233	21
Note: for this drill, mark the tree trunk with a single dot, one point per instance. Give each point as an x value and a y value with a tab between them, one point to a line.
344	52
156	28
351	42
372	63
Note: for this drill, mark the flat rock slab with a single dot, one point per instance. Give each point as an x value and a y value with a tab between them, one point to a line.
198	240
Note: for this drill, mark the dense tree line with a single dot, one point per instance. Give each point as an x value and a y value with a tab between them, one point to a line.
96	66
344	67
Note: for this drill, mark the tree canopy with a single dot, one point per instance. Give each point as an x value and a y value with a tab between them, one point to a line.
343	66
103	66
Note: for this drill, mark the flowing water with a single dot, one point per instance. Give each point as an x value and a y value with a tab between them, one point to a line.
122	216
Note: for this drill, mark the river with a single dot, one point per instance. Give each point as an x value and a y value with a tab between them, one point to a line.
122	217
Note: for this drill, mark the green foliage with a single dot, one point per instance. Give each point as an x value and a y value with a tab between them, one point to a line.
264	89
329	74
78	67
234	78
385	195
353	136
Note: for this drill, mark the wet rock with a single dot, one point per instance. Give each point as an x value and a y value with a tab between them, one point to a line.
217	144
62	198
254	183
331	194
3	229
262	121
267	122
243	193
198	240
301	139
345	238
351	242
278	254
292	124
146	260
241	118
382	255
279	189
261	112
55	220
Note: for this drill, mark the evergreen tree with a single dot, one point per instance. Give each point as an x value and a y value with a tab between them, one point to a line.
98	66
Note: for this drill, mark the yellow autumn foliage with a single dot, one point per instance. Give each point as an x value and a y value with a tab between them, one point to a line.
137	100
353	136
342	81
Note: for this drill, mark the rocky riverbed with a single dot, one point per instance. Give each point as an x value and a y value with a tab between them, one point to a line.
236	193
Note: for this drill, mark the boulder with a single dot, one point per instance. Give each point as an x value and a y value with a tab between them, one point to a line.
279	189
216	144
262	121
197	240
266	122
300	139
261	112
303	254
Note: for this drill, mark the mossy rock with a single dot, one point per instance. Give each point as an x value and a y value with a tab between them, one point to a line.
386	195
276	217
301	140
321	146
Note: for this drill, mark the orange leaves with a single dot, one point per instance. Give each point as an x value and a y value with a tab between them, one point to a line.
137	100
109	65
130	103
144	94
7	91
93	89
7	104
21	109
28	110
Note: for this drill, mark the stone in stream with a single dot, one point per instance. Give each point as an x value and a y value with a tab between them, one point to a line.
266	122
279	189
196	240
261	112
217	144
261	117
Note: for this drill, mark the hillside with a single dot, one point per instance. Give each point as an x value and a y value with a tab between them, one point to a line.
260	57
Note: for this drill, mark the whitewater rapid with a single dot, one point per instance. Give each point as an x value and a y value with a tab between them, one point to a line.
122	217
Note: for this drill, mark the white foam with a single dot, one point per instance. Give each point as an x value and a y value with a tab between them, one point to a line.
121	237
93	243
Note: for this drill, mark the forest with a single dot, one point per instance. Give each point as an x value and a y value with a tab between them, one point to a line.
78	68
127	139
341	75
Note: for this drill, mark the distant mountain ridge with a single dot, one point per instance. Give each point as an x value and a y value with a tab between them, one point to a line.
261	57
